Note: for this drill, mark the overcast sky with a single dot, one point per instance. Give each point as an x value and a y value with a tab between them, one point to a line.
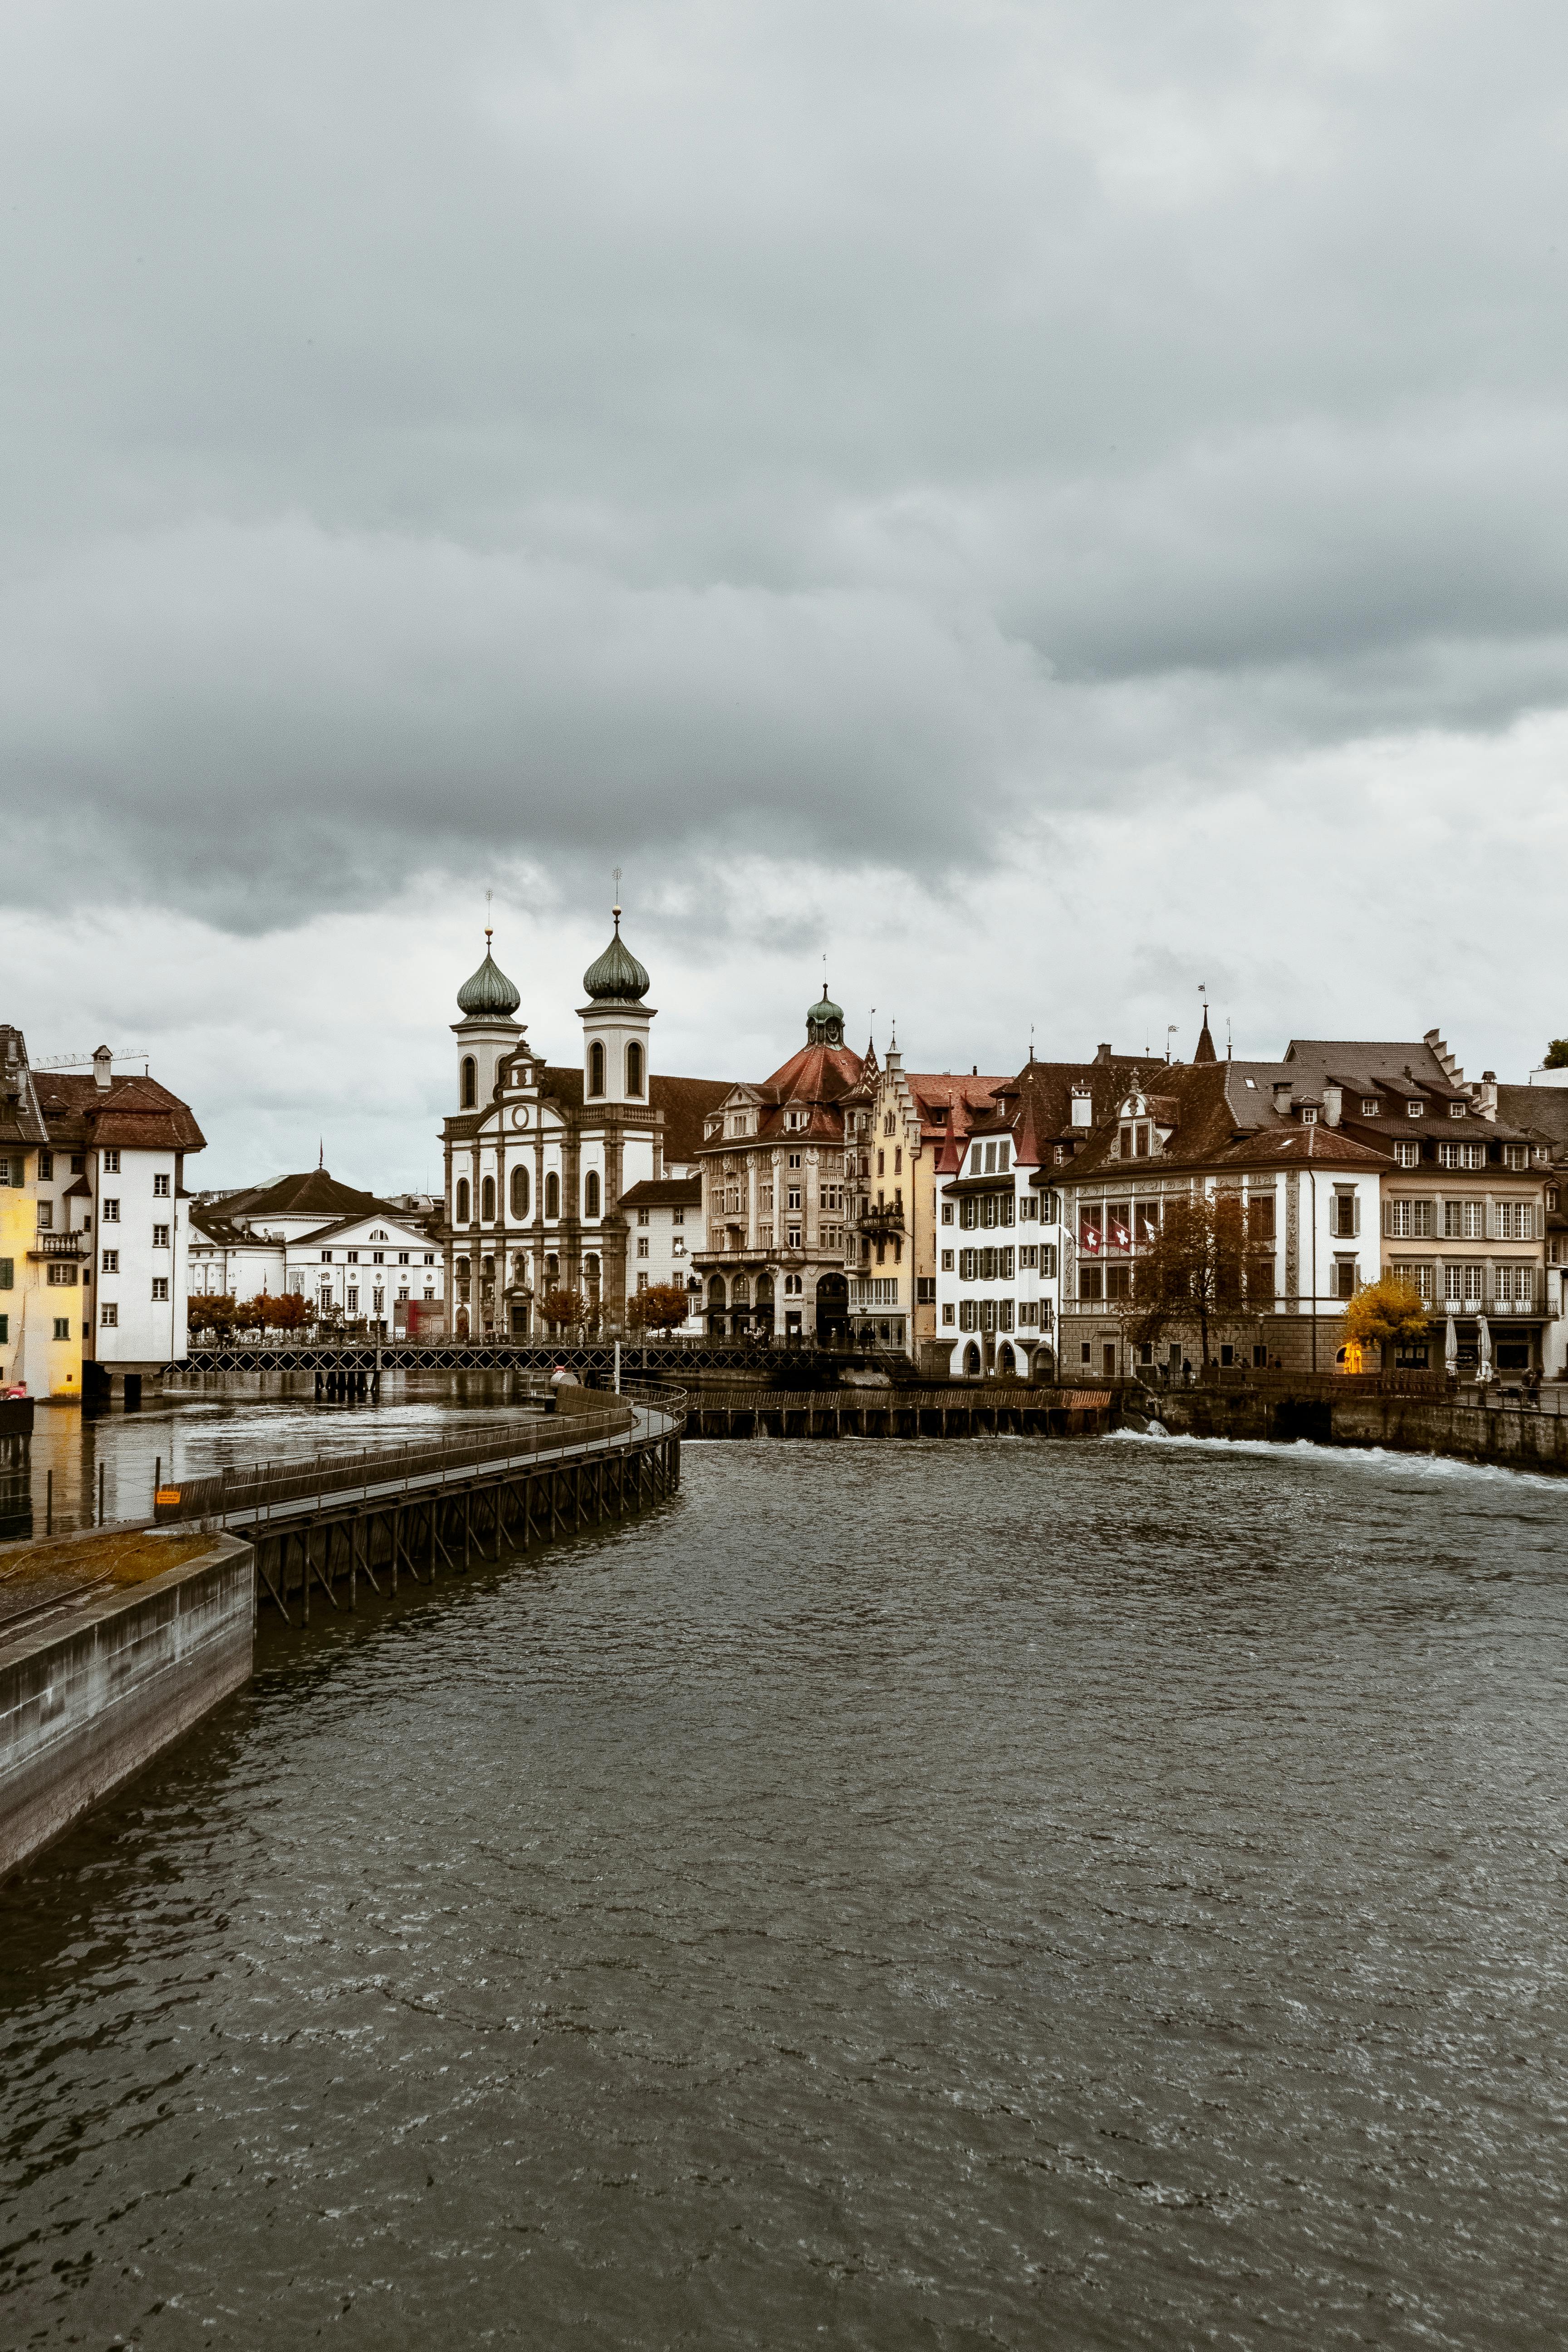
1047	505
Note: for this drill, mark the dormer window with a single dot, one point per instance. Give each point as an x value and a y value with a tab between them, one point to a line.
1456	1110
1413	1109
1407	1155
1308	1115
1140	1141
1370	1106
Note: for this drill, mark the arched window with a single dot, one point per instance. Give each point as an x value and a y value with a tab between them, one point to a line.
470	1085
970	1360
595	1068
742	1291
552	1195
487	1201
634	1069
591	1193
519	1194
591	1271
464	1201
716	1291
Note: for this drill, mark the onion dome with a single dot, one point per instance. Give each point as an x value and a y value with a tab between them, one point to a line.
825	1021
617	976
488	992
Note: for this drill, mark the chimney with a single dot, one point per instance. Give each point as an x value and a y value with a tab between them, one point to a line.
102	1068
1103	1055
1333	1105
1486	1095
1283	1097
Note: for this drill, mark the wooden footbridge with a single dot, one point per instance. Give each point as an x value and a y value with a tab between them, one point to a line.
991	1410
422	1510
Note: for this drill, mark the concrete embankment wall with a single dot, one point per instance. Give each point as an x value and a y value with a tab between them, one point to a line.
1512	1436
94	1694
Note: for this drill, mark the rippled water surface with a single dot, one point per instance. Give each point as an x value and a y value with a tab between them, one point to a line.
951	1895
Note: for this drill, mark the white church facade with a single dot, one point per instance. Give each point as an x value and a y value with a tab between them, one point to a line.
538	1157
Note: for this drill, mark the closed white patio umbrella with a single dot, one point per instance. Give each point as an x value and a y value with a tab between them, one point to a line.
1450	1348
1483	1333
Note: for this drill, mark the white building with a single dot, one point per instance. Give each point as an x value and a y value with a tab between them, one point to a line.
664	1222
539	1157
1003	1235
349	1252
114	1171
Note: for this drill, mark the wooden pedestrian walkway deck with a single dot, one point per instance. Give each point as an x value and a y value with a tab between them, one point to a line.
417	1510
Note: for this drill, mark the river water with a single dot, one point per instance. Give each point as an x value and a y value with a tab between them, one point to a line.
980	1893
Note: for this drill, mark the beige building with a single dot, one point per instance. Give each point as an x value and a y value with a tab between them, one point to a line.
774	1197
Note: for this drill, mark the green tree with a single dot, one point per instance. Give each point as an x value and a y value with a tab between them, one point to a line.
1556	1054
1203	1271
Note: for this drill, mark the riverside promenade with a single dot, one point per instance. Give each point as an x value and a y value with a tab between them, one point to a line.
114	1642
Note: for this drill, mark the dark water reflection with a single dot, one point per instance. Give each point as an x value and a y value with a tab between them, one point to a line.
956	1895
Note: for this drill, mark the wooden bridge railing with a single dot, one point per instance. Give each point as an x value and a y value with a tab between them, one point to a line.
243	1492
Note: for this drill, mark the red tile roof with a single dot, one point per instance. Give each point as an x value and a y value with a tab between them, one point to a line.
132	1113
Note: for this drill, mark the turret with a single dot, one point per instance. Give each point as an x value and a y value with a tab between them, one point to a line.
487	1033
825	1021
616	1023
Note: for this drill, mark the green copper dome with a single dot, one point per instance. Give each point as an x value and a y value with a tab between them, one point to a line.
489	990
617	976
825	1021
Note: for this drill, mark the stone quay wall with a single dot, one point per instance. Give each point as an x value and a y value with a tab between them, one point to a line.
95	1692
1512	1436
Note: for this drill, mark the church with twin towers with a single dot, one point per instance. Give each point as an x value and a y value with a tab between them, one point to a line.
539	1157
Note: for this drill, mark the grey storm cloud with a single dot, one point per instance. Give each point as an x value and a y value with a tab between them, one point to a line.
439	432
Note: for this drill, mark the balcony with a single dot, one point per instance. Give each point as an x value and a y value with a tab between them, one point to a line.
56	1246
880	1224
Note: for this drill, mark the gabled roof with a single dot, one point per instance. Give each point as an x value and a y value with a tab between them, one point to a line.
1196	1102
130	1113
311	1193
21	1119
664	1192
1537	1112
380	1214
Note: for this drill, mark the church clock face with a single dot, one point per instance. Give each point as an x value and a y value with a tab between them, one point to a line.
520	1115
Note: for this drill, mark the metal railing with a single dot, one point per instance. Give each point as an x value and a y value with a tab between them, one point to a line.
257	1490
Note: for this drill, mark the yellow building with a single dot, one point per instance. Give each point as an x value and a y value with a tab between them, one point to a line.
905	1130
41	1293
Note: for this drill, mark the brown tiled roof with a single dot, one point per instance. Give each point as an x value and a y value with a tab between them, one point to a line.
1290	1142
686	1103
1539	1112
133	1114
311	1193
21	1120
667	1192
815	1073
1196	1099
